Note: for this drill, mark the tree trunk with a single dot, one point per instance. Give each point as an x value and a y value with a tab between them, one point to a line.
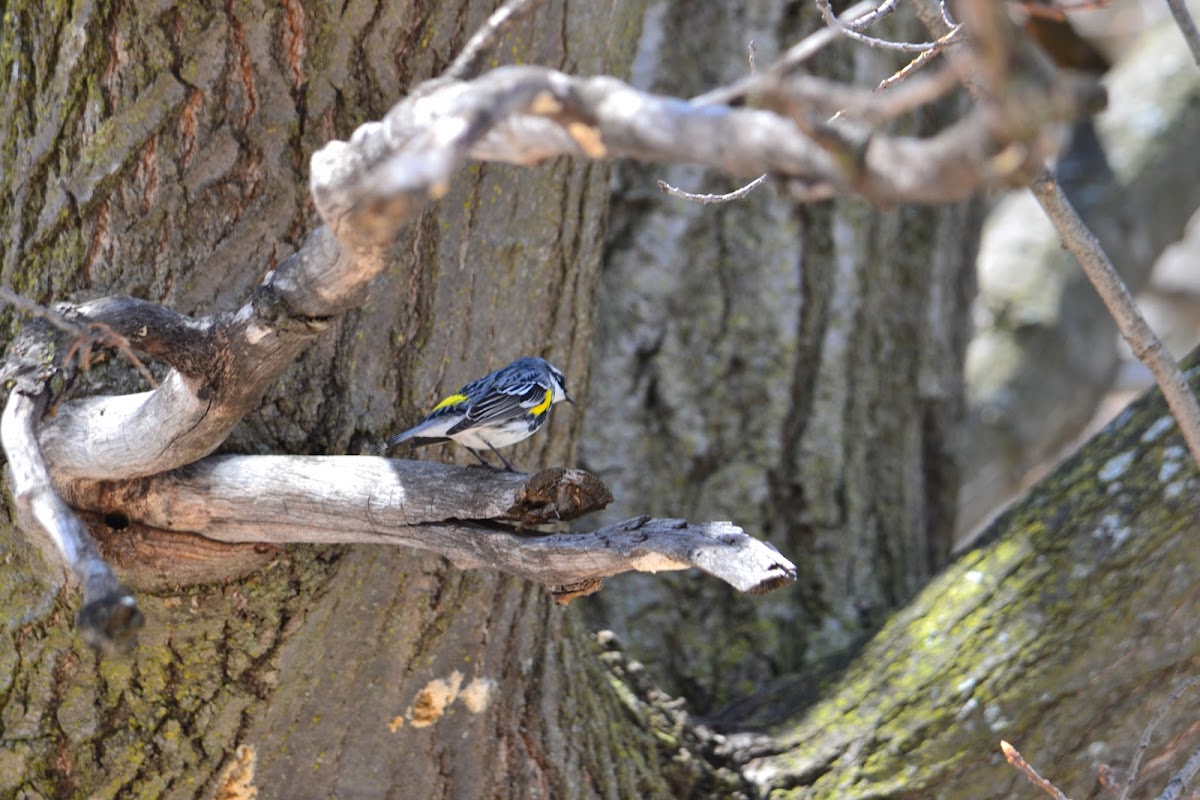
1062	632
796	369
163	154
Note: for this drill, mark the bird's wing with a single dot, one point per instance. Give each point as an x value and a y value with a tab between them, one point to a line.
502	405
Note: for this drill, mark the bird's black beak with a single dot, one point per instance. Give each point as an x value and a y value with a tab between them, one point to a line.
568	398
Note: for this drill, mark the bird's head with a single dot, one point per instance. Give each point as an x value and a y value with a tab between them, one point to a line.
558	385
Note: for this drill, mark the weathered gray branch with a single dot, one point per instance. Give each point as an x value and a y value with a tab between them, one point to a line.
473	516
1099	268
368	186
110	616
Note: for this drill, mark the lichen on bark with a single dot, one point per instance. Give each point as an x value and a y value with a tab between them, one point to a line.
1061	632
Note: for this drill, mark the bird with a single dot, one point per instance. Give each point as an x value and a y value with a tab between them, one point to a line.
500	409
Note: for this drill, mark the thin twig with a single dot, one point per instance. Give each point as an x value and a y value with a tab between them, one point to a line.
922	59
502	19
1144	742
705	199
38	310
1037	780
1086	248
947	17
738	194
795	56
817	41
872	41
85	337
882	10
1187	26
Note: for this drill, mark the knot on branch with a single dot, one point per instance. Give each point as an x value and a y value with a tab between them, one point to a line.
558	494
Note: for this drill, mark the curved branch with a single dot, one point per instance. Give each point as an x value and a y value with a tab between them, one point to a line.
110	617
223	365
369	188
458	512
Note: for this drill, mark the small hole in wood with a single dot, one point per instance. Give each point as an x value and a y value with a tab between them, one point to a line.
116	520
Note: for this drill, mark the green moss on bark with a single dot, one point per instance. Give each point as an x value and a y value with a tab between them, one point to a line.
1024	638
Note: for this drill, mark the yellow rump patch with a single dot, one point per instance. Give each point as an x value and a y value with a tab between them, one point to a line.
452	400
541	407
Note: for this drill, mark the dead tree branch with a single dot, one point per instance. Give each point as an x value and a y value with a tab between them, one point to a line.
1187	26
478	518
110	617
1112	290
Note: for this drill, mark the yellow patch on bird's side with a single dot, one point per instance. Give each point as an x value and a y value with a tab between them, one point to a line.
541	407
452	400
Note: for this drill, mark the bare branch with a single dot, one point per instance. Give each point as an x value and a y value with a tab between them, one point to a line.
884	9
947	18
466	65
854	31
1086	248
1180	780
86	337
1014	758
704	199
795	56
223	364
110	617
736	194
1144	742
471	515
951	37
1187	26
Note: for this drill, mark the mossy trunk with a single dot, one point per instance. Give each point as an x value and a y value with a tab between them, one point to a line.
1062	632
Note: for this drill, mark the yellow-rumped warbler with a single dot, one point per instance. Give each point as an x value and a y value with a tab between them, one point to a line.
499	409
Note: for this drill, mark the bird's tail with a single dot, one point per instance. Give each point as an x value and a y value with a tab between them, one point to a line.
413	435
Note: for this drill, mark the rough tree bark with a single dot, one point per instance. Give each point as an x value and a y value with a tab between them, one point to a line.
355	672
803	364
163	153
1062	632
